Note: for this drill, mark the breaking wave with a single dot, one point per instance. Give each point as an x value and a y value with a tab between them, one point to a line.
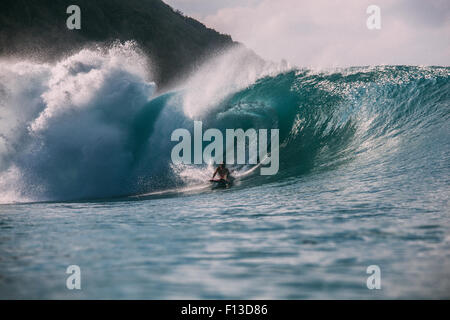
91	125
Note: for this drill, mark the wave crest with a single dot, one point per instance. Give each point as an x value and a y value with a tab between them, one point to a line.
90	125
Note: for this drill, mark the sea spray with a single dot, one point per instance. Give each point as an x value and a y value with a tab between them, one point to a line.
65	126
90	126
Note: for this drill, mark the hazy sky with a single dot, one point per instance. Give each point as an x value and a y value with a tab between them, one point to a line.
326	33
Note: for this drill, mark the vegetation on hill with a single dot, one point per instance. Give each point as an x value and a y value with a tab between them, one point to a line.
174	42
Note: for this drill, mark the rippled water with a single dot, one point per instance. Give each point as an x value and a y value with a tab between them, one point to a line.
302	238
363	180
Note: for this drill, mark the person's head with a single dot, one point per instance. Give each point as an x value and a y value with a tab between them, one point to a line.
222	165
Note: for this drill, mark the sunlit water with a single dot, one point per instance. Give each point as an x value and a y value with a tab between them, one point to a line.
363	180
300	238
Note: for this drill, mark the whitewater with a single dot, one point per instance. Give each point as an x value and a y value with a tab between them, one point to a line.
86	178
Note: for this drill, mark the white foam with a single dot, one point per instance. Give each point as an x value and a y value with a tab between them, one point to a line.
62	124
222	75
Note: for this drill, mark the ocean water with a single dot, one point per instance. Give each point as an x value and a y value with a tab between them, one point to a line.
86	179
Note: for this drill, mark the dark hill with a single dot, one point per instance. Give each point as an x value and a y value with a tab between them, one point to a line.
37	28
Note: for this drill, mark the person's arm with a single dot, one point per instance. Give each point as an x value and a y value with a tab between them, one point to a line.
215	172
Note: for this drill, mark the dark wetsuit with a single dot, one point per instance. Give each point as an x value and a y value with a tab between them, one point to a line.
223	173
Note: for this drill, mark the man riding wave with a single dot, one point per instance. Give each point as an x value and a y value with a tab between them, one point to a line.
223	172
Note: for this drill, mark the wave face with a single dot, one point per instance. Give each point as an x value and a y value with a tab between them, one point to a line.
90	126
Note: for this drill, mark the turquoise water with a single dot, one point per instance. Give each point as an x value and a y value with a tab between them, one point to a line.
363	180
303	238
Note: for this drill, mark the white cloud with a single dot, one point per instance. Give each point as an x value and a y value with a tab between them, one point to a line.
326	33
